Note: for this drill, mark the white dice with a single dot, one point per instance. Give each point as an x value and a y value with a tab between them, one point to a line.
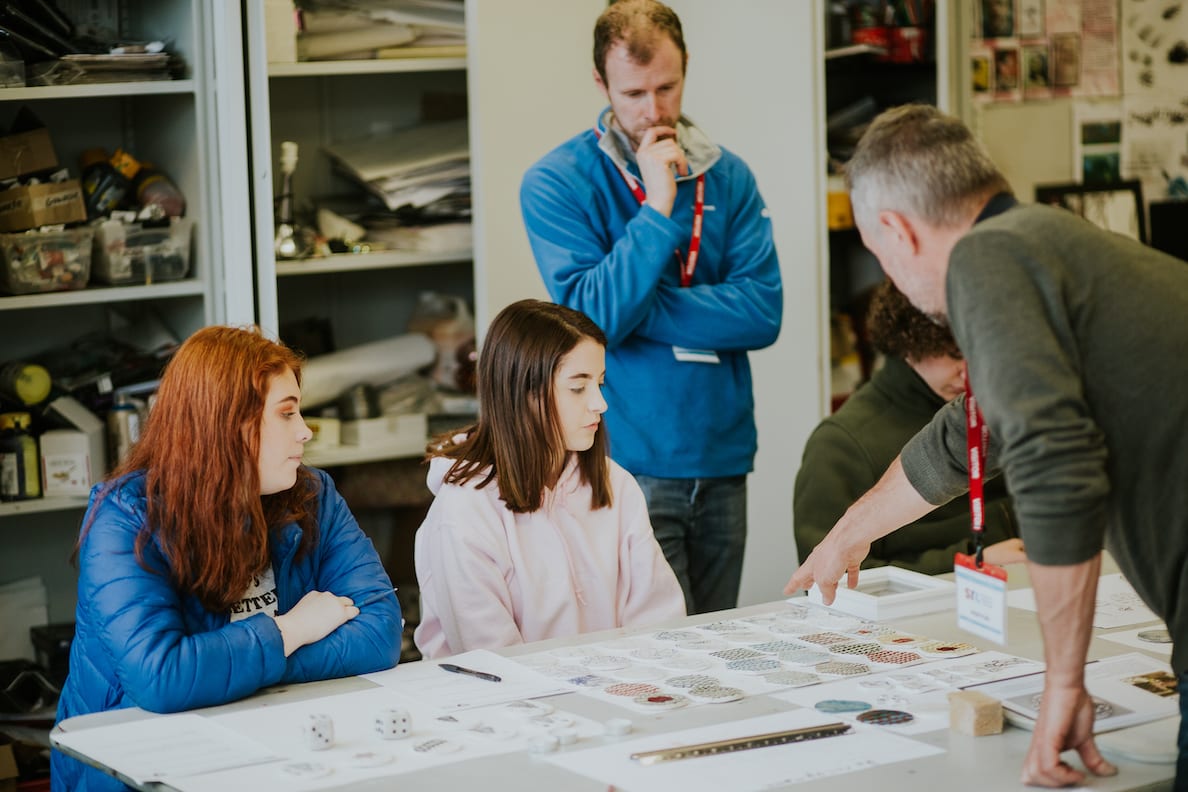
393	723
319	732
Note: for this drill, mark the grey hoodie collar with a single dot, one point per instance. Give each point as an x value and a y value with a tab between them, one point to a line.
701	152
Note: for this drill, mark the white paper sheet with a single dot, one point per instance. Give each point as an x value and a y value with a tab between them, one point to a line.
446	692
1131	638
167	747
1118	605
864	747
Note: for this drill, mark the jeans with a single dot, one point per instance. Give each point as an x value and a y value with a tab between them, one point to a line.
701	525
1182	742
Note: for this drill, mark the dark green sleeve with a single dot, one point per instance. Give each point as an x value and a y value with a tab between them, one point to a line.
835	472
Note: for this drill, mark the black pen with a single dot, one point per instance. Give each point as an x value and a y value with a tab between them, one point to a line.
374	598
457	669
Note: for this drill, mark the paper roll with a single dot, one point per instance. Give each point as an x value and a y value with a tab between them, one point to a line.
325	377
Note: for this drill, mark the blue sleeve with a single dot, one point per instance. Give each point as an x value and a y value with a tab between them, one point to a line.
743	311
613	281
347	565
138	617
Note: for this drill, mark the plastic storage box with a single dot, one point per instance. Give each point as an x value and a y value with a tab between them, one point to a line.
44	261
131	253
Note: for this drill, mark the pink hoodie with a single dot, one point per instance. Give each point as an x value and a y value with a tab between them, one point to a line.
492	578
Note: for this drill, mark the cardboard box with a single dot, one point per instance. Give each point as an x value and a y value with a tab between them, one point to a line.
22	208
26	152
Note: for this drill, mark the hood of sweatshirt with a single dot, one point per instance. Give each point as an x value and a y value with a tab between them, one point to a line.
701	152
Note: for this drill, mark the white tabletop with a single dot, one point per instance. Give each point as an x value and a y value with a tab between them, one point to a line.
967	763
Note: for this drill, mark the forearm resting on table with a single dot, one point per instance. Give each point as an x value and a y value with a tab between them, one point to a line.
1065	598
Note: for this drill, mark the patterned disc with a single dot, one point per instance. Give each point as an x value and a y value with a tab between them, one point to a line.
736	654
662	700
654	653
691	680
791	678
632	689
723	626
886	717
855	648
791	628
946	648
702	645
777	646
825	638
839	668
745	636
842	705
897	639
893	656
605	662
717	693
804	656
754	665
590	681
675	635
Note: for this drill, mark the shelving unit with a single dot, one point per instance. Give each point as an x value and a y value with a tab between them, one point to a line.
170	123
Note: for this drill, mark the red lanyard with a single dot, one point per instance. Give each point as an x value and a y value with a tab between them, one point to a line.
686	265
977	439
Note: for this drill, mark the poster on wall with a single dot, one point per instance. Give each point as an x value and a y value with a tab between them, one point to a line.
1155	91
1097	141
1039	49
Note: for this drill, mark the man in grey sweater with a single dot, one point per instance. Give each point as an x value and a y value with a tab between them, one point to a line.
1074	338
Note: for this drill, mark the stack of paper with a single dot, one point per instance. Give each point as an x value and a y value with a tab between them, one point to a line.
416	167
381	28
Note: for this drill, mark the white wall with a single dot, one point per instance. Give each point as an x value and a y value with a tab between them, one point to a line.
530	89
753	85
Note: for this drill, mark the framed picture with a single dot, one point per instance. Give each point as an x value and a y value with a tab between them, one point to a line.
1116	206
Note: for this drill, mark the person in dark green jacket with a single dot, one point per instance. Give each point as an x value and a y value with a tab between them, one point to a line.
848	451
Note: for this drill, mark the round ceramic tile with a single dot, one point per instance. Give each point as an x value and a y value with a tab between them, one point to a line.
639	673
773	647
702	645
653	653
892	656
886	717
873	629
591	681
825	638
839	668
715	693
1155	636
855	648
632	689
736	654
792	628
691	680
437	746
763	618
791	678
898	639
804	656
675	635
754	665
686	663
842	705
367	759
605	662
945	648
662	701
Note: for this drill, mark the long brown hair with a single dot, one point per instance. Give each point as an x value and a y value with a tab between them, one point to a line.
518	441
200	455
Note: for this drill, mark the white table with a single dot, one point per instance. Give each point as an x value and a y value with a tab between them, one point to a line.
968	763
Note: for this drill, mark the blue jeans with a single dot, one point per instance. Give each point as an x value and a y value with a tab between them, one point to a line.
701	525
1182	742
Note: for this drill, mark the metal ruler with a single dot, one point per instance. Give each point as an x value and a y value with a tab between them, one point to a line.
740	743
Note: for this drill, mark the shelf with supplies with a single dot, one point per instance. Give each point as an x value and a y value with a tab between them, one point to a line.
376	259
371	66
103	294
854	50
97	90
41	505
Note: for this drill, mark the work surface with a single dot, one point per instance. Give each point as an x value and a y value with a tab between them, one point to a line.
943	758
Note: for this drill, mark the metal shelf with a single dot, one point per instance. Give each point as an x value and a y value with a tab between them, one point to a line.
381	259
95	90
375	66
42	505
105	294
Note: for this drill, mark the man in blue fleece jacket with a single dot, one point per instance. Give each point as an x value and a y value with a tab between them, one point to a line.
662	238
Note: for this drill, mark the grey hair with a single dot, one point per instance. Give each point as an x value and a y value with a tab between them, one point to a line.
916	160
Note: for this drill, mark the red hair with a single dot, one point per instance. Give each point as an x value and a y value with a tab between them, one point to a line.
200	453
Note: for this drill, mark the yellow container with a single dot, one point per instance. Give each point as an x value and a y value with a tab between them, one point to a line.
838	210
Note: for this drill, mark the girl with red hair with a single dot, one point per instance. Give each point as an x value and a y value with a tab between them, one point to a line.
212	563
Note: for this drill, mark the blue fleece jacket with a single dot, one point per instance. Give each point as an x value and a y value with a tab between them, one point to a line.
140	643
601	253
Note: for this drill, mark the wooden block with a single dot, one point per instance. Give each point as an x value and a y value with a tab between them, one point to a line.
974	713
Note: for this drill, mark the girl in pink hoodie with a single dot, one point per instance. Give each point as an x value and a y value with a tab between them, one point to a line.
535	532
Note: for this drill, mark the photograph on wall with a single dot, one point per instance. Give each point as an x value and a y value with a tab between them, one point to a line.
1006	70
1030	21
1097	141
1066	60
998	18
979	71
1037	80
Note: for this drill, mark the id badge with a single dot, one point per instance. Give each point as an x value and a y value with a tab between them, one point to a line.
981	598
686	355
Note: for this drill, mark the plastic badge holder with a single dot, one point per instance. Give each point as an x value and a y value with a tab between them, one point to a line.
45	261
131	253
891	593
